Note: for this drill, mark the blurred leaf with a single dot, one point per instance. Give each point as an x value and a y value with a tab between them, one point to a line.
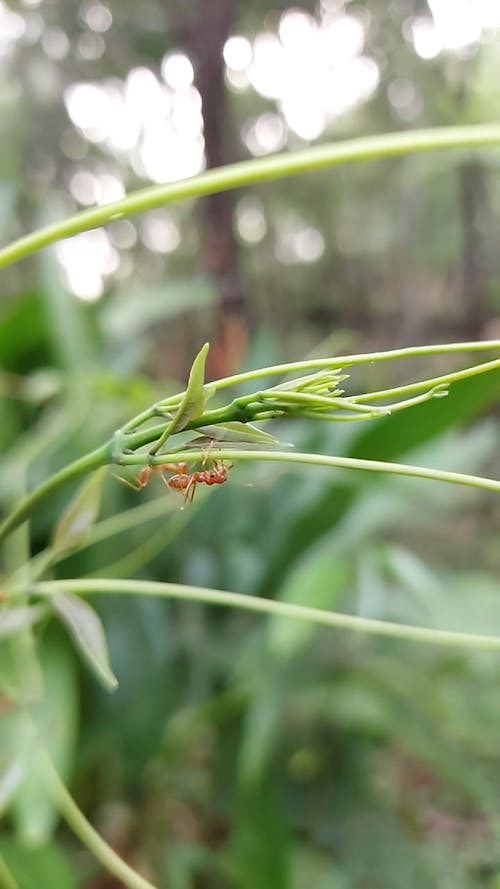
87	631
38	868
316	582
183	862
42	385
22	332
51	722
134	311
68	325
313	869
259	848
20	676
261	730
8	198
352	505
14	619
403	431
75	525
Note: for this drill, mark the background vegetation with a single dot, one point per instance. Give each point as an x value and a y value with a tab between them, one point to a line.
237	751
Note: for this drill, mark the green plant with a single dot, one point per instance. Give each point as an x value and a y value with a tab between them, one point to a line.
145	442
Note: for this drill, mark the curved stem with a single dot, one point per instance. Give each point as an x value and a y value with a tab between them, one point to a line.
85	464
248	172
345	361
108	454
76	820
444	379
265	606
437	475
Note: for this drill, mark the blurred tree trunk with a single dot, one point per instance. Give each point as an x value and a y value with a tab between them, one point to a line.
203	29
472	201
472	196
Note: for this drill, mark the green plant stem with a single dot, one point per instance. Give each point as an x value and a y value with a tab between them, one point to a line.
109	453
344	361
266	606
249	172
274	399
86	833
437	475
445	379
141	418
100	457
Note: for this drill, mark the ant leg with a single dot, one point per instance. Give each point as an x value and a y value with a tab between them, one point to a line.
206	454
141	482
163	477
190	490
177	468
221	465
126	481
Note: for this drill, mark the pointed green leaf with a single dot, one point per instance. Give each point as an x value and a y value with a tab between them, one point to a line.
238	432
322	381
193	402
75	525
85	627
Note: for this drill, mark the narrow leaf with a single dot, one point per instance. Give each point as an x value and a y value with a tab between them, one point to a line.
321	381
193	402
85	627
238	432
75	525
51	723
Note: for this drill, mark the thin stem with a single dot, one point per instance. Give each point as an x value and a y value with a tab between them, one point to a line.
437	392
146	436
403	469
388	408
111	451
141	418
84	830
437	475
265	606
249	172
89	462
343	361
444	379
327	401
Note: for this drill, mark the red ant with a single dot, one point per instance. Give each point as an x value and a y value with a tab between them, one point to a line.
186	482
182	480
